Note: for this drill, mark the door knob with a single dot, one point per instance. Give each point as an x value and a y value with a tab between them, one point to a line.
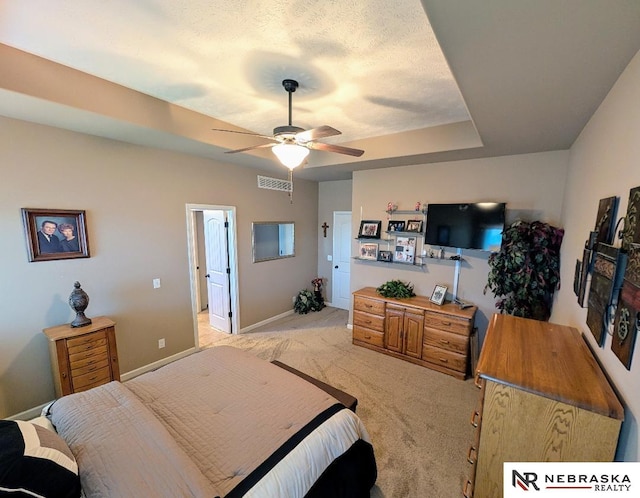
336	267
206	276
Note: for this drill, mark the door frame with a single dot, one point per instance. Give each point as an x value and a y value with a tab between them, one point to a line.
230	211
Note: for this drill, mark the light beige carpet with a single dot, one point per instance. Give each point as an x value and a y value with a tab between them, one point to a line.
418	419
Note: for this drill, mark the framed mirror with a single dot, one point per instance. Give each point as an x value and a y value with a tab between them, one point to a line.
272	240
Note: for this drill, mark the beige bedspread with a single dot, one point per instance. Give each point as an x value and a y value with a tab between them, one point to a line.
228	410
122	449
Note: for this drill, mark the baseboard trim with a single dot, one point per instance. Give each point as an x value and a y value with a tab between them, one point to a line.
156	364
265	322
28	414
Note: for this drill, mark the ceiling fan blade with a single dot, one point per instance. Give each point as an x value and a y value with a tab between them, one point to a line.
262	146
245	133
316	133
335	148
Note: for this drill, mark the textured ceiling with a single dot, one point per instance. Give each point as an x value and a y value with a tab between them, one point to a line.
367	68
528	75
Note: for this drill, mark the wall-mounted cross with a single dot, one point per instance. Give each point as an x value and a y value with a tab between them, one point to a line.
324	228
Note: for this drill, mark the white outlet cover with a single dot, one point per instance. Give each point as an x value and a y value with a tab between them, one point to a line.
156	283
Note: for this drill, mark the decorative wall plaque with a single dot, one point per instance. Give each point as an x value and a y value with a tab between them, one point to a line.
606	281
627	319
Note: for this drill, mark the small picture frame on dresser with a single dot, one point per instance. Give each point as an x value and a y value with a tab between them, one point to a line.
438	294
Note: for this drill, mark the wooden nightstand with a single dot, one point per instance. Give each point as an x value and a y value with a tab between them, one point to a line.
83	357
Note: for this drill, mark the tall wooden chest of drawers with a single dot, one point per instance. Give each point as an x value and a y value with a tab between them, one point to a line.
543	398
415	330
83	357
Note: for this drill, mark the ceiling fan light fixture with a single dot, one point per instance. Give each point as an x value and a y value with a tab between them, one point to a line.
290	155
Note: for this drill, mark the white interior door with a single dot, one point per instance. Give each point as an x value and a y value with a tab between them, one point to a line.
341	273
217	256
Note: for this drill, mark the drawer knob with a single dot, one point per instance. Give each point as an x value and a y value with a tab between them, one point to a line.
443	341
446	323
444	360
367	336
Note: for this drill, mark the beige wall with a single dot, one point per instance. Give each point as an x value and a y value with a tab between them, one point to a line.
604	161
333	196
532	185
135	199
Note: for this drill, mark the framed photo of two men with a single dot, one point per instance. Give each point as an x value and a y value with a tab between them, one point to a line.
55	234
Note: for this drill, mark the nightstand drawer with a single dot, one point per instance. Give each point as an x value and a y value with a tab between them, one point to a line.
455	343
95	353
368	305
444	358
86	339
369	321
93	366
92	378
369	336
87	346
447	323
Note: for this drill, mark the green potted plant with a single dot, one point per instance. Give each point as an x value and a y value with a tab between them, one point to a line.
525	273
396	288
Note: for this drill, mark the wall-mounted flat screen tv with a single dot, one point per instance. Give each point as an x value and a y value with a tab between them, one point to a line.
466	226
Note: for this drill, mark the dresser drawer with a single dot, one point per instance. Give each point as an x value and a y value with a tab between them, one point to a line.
375	322
445	358
87	346
369	336
94	353
87	339
92	378
368	305
455	343
93	366
447	323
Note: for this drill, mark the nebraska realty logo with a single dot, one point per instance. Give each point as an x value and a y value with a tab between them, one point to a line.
571	479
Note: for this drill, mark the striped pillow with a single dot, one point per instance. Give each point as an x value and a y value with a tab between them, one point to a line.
36	462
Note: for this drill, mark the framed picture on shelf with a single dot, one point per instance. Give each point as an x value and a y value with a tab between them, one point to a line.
369	251
395	226
55	234
370	229
386	256
414	226
405	250
438	294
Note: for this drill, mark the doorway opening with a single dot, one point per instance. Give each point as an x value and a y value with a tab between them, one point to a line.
213	269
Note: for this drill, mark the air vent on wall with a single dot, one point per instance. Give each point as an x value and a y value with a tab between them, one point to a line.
275	184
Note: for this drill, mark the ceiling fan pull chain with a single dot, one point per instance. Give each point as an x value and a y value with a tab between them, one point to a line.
291	183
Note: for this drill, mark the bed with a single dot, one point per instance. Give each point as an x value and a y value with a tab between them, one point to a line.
219	423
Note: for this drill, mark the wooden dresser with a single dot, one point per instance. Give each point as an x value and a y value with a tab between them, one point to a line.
415	330
83	357
543	398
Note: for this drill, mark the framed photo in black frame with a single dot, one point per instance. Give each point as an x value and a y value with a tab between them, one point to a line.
370	229
395	226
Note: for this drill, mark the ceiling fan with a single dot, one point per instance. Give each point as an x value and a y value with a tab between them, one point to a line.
291	144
